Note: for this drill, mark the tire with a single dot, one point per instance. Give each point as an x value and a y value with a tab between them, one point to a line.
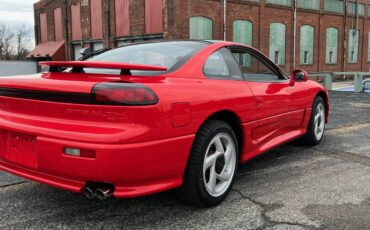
201	187
311	138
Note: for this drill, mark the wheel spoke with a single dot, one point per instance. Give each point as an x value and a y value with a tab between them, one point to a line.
211	160
225	175
212	179
228	154
219	146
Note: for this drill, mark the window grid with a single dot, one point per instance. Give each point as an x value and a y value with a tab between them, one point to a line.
311	5
353	46
307	44
280	2
277	43
201	28
335	6
332	45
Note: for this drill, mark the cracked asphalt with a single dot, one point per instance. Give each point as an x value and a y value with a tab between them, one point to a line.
292	187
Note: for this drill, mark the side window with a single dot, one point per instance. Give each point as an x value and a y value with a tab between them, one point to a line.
222	65
256	69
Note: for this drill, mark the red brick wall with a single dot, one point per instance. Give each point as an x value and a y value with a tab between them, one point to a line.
176	14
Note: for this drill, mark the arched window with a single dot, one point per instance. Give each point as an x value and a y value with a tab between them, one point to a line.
201	28
277	43
353	46
332	45
243	33
306	45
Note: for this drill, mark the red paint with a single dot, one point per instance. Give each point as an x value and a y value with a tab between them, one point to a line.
104	65
122	13
58	25
153	16
76	22
96	19
43	28
143	149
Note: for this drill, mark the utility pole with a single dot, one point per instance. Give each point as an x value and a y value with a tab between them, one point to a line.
225	20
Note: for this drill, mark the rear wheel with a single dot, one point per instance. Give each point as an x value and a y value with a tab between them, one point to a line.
212	165
316	126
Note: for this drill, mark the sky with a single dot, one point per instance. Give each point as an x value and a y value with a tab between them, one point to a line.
16	11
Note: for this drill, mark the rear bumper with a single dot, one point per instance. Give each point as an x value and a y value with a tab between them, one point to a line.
134	169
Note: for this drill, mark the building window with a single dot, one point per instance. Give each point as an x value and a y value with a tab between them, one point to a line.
368	11
311	5
96	19
332	46
95	46
306	45
76	22
76	51
280	2
58	25
243	33
153	16
43	28
352	6
353	46
201	28
122	14
277	43
335	6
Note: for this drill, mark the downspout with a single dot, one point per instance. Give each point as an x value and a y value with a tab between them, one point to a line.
294	32
67	48
225	20
345	36
357	15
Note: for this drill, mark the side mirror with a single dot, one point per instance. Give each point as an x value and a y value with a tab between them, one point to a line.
298	75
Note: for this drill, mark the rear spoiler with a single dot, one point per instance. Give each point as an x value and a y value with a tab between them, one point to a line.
56	65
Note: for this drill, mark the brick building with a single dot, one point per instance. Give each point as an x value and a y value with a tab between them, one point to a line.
329	35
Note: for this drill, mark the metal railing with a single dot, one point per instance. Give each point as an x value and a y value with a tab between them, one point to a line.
329	76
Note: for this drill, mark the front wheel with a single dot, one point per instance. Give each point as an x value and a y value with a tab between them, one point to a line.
212	165
316	126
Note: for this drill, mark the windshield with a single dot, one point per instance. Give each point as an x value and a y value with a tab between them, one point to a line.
168	54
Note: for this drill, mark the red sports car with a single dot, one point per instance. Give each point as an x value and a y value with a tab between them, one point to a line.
155	116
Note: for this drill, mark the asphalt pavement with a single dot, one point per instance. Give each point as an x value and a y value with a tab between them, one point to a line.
291	187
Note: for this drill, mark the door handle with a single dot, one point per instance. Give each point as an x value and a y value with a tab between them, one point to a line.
259	101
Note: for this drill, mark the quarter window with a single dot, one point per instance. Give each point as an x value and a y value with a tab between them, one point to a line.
277	43
306	45
353	7
259	70
222	65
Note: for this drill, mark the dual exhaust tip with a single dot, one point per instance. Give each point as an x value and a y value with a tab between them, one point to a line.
101	193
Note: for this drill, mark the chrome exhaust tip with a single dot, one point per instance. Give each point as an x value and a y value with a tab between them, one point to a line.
88	192
103	193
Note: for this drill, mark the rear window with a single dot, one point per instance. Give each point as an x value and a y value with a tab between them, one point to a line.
168	54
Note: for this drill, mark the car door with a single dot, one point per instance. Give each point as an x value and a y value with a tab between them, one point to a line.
279	109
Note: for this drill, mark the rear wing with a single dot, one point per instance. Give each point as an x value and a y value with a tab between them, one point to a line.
55	66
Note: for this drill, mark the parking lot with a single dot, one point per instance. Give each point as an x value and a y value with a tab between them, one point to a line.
292	187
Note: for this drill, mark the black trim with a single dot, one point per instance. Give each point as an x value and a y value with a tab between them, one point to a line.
64	97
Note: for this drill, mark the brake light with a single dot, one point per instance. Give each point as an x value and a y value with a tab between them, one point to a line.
114	93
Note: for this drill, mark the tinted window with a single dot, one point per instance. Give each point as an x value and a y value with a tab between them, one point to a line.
221	64
254	68
168	54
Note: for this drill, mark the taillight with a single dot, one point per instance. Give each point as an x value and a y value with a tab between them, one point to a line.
115	93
